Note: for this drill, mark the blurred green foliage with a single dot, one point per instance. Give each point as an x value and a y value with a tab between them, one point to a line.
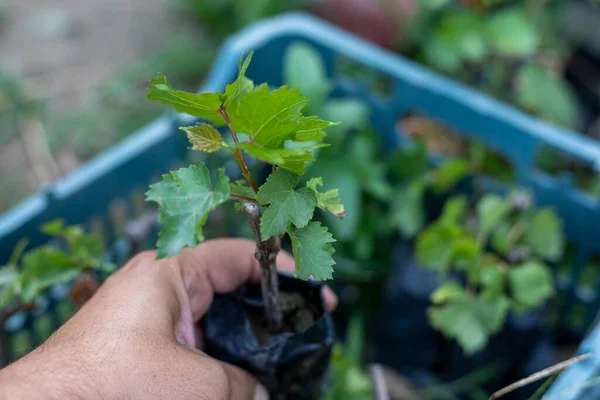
512	50
348	379
28	274
226	16
502	247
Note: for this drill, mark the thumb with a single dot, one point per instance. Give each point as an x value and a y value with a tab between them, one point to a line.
242	385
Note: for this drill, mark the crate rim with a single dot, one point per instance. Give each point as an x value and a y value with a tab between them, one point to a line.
329	35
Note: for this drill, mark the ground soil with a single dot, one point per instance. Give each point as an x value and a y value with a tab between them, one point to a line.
64	49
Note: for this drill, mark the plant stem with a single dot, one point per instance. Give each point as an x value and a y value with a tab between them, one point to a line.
239	156
266	255
250	199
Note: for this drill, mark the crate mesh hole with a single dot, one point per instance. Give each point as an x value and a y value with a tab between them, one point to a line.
443	141
378	83
564	167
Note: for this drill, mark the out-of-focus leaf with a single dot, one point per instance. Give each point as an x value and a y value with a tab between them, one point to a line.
370	171
470	320
408	210
510	33
466	255
340	174
500	240
448	291
43	268
454	209
531	284
449	174
353	113
435	245
8	284
544	235
547	95
493	279
491	210
304	69
459	37
410	162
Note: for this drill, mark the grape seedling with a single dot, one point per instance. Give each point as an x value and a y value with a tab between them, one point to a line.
268	125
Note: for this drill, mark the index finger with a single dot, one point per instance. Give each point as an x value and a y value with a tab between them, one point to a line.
224	265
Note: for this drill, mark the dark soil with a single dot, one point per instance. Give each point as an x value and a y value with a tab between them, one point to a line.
298	314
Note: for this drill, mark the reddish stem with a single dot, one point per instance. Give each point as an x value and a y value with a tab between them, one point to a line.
244	198
239	156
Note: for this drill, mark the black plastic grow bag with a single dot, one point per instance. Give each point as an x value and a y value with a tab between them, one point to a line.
290	365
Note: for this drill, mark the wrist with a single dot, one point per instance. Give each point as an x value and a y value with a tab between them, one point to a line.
49	372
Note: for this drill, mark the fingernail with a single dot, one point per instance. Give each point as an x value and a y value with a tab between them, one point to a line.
261	393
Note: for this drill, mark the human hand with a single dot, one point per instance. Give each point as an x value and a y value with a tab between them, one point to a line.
138	337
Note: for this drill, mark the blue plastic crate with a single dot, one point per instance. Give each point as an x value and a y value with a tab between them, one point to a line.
405	87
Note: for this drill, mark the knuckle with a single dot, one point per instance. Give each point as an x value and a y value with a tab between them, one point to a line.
218	378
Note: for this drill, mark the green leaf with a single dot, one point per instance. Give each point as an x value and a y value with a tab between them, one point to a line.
491	211
304	69
544	235
44	267
312	250
492	311
408	209
204	105
185	198
465	255
459	37
340	174
242	85
470	320
454	209
9	280
546	94
328	200
460	321
511	34
449	174
269	118
241	188
287	205
435	245
293	159
369	169
448	291
311	129
493	279
531	283
353	113
86	250
203	137
410	162
501	241
18	252
57	228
